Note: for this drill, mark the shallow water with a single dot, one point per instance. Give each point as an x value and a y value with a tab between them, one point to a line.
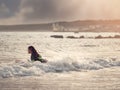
107	79
86	64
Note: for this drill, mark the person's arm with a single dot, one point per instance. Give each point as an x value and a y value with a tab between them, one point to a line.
33	58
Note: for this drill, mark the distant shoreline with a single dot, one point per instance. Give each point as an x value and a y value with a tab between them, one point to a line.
74	26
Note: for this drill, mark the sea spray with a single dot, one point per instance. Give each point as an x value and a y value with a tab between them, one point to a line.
22	69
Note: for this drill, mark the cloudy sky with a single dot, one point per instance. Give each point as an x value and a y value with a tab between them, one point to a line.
43	11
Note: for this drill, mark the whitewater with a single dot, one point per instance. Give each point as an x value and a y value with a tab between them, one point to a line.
69	60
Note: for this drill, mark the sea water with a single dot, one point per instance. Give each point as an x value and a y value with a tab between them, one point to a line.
66	57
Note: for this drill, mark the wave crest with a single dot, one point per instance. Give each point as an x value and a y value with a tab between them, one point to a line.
37	68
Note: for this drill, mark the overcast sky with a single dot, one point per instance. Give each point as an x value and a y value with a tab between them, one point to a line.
42	11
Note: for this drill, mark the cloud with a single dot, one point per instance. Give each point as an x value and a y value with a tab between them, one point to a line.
50	10
40	11
3	10
100	9
64	10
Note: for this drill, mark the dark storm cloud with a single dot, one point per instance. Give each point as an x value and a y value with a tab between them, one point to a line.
30	11
4	11
39	11
50	9
40	8
8	8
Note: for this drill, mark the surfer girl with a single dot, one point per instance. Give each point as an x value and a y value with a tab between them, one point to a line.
34	55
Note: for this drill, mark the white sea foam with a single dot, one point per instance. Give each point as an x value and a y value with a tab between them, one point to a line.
64	55
37	68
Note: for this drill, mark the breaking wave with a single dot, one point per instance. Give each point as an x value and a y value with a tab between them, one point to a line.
36	68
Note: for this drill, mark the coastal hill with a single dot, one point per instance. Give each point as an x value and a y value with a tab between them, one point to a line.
26	27
75	26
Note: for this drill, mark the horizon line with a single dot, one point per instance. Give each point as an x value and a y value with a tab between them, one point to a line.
60	22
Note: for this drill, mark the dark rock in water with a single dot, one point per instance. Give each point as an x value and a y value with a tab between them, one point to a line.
117	36
72	37
108	37
57	36
82	37
99	37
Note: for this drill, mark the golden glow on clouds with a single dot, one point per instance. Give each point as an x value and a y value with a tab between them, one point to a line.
72	10
100	9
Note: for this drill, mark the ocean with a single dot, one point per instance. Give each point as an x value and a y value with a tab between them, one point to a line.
73	64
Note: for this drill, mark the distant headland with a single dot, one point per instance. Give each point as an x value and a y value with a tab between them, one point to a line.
72	26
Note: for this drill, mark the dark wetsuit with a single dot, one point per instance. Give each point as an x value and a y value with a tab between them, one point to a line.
36	58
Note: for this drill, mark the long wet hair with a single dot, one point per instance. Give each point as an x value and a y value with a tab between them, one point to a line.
33	51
